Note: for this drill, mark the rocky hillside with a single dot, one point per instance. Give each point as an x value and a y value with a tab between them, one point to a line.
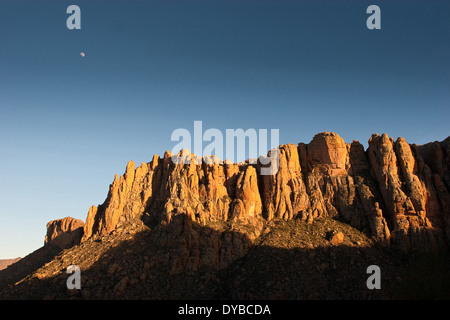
395	192
225	230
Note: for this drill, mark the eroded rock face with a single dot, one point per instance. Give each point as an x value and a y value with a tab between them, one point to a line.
395	192
65	232
329	150
284	193
408	192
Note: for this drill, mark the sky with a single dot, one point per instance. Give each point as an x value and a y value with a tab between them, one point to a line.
69	123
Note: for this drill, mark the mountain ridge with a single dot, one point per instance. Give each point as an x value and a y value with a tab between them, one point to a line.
209	216
392	179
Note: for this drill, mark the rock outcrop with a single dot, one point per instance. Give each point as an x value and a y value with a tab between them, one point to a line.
408	192
176	227
64	233
394	192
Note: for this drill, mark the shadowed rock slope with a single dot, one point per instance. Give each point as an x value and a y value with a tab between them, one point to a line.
223	230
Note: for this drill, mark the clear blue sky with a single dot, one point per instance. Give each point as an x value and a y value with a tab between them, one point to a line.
68	123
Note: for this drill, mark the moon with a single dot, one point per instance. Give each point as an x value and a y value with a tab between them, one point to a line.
82	54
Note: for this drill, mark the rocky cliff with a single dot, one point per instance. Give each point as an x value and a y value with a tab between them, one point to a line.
395	192
64	233
208	215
